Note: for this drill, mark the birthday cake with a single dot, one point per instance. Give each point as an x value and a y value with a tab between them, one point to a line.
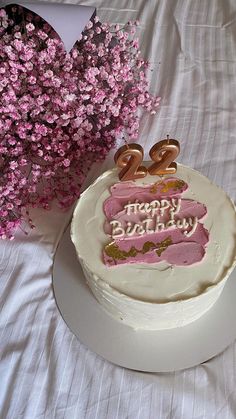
156	252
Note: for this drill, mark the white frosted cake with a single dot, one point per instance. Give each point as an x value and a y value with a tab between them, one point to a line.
156	253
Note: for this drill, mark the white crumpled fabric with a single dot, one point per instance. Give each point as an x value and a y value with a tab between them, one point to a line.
45	372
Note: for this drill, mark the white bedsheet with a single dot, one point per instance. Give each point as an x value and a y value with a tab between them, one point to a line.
45	372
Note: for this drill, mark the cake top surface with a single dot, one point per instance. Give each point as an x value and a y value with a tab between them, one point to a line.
146	279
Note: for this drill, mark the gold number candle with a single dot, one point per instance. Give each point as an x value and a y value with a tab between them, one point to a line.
163	154
128	158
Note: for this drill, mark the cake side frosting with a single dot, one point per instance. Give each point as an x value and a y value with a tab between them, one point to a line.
148	315
138	291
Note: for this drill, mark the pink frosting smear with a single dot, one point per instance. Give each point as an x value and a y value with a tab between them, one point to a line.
174	245
123	192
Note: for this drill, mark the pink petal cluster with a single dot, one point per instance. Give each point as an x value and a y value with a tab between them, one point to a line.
61	112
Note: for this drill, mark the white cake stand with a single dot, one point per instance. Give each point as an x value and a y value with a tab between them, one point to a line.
153	351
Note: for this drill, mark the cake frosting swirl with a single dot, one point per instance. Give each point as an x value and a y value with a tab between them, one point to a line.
156	254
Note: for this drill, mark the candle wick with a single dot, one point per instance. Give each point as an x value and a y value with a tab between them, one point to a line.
126	144
168	138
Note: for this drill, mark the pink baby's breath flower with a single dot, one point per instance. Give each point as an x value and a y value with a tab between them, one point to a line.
89	25
27	54
23	162
18	45
17	35
32	80
66	162
42	35
40	129
30	27
48	74
13	77
51	118
70	97
3	13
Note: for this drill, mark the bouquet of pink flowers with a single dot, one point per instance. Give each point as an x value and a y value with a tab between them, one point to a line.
61	112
